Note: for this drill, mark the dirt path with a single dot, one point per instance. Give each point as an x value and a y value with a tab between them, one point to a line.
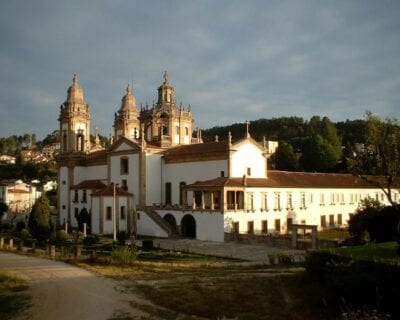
61	291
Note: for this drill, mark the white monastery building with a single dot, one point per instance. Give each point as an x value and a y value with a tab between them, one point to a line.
157	179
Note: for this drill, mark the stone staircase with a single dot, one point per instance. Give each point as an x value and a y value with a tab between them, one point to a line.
170	230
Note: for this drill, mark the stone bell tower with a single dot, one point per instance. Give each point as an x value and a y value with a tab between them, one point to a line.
167	124
75	120
126	122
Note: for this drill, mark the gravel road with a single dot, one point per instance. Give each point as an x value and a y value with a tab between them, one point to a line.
61	291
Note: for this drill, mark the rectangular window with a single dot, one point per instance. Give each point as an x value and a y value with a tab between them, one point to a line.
342	198
250	227
84	196
264	201
248	172
186	131
250	201
122	213
222	173
277	201
63	206
332	199
76	196
108	213
289	204
76	213
124	168
310	198
235	227
264	226
177	130
339	219
277	225
302	200
331	220
323	222
124	184
322	199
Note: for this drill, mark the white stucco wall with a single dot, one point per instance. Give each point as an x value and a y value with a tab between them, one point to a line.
147	227
63	193
133	174
153	178
346	201
90	173
209	225
190	172
248	156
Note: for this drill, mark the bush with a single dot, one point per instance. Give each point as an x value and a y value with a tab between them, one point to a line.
62	235
357	282
25	234
121	236
20	226
92	239
379	222
123	255
147	245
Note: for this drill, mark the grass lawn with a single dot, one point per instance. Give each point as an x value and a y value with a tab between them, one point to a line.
379	251
12	301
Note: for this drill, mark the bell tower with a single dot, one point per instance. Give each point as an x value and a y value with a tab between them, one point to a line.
165	123
126	122
75	120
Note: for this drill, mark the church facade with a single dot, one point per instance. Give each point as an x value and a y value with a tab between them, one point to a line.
156	178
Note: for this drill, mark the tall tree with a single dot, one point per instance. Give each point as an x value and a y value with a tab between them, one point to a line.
380	155
285	158
39	219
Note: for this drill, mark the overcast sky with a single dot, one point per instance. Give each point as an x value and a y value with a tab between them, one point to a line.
231	60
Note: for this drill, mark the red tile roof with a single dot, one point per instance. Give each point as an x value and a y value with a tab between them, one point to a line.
207	148
89	184
109	191
285	179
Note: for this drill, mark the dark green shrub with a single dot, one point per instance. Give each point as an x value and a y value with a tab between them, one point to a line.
92	239
356	282
62	235
147	245
20	225
25	234
121	237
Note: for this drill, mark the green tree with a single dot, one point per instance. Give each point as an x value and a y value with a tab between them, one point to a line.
318	155
3	209
39	219
380	156
285	158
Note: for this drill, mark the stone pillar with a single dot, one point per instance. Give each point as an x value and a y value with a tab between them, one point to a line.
84	230
66	227
194	201
202	201
314	238
234	200
33	245
93	255
212	200
78	252
11	244
52	252
294	237
1	242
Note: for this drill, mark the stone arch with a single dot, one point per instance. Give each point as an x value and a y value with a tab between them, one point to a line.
188	226
170	219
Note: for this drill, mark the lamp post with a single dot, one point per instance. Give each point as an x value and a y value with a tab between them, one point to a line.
114	213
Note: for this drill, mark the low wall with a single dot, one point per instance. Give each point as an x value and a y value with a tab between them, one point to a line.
281	241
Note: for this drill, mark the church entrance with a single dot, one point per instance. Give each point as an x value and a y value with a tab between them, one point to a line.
188	226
